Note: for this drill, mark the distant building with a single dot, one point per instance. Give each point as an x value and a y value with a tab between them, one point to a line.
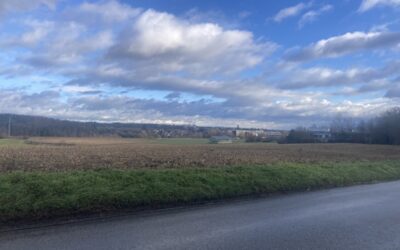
264	134
243	133
220	139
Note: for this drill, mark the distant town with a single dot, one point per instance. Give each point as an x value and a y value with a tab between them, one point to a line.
380	130
23	125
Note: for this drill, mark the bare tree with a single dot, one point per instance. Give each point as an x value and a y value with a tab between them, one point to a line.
386	128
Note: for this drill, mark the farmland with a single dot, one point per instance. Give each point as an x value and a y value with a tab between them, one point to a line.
50	177
83	153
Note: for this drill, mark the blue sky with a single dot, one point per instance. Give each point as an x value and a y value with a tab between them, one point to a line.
270	64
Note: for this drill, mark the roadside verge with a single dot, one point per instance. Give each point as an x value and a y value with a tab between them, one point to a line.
39	195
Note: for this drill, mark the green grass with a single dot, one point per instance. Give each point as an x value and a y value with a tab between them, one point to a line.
11	142
34	195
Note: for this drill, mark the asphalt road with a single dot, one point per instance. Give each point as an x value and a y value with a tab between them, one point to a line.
360	217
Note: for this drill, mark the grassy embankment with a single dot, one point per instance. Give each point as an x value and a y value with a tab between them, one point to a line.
47	194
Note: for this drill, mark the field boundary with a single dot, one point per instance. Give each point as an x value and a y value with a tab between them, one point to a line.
32	223
43	195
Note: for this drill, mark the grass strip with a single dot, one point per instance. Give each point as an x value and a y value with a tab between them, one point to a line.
35	195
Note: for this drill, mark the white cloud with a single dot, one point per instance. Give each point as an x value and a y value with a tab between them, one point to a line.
35	32
38	32
370	4
7	6
108	11
298	78
345	44
174	45
312	15
244	14
290	12
68	44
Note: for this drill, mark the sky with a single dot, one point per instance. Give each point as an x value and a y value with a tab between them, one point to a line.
252	63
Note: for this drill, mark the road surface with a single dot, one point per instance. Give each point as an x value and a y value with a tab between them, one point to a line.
360	217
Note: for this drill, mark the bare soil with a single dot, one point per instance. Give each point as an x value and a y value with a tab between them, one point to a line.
83	153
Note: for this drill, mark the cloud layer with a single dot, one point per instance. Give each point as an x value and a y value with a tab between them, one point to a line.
110	61
345	44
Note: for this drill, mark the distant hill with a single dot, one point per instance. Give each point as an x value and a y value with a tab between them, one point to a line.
25	125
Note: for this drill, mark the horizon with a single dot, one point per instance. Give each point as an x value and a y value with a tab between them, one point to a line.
269	65
133	123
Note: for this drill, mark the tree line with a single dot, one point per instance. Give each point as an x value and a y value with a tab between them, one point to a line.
26	126
383	129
